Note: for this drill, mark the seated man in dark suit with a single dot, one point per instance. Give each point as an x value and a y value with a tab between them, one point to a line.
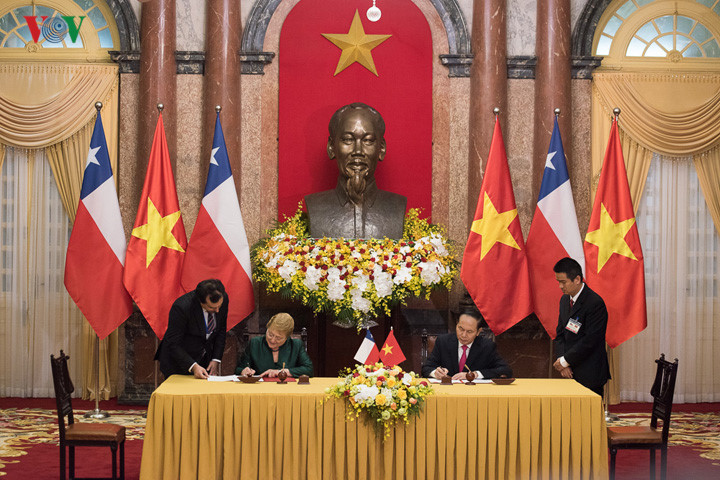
195	338
465	350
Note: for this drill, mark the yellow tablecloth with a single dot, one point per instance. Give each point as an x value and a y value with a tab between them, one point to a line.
534	428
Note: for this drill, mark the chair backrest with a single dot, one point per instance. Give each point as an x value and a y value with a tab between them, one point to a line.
303	335
663	390
427	342
63	390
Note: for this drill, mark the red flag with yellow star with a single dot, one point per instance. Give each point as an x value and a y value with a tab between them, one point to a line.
613	255
154	259
390	353
494	268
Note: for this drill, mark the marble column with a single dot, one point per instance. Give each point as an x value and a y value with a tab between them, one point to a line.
552	82
222	81
157	81
488	88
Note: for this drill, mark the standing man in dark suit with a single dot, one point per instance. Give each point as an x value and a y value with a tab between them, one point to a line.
580	339
454	354
195	338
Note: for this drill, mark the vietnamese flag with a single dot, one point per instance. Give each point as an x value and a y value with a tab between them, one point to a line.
390	353
494	268
157	246
613	255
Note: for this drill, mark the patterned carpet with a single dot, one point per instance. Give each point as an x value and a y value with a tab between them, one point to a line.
24	428
698	430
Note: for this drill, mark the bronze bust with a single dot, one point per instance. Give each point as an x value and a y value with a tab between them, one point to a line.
356	208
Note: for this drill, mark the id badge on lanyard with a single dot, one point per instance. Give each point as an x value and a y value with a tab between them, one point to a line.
573	325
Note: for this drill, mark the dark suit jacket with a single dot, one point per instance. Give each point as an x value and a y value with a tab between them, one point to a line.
483	356
258	356
184	342
584	350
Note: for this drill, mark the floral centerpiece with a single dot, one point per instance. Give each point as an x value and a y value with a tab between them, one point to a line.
354	280
387	395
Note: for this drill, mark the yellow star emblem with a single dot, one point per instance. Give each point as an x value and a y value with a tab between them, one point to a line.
158	232
610	237
356	46
494	227
387	349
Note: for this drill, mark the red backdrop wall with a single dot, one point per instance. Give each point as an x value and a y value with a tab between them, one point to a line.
310	93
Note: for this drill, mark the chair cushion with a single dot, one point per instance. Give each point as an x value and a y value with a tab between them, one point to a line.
95	432
633	434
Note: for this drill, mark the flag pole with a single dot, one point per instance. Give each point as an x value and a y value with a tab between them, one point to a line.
97	413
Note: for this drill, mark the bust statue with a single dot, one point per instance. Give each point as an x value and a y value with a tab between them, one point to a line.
356	207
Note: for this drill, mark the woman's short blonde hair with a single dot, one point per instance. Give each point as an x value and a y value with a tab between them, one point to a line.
283	323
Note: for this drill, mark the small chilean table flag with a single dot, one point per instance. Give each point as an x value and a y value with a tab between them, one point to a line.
218	246
368	352
96	251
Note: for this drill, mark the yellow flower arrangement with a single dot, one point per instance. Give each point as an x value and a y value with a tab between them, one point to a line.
354	280
367	389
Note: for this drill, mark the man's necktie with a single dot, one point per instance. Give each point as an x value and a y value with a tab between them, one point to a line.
463	358
211	323
571	303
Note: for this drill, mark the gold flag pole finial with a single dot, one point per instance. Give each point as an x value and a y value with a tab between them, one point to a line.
557	112
160	107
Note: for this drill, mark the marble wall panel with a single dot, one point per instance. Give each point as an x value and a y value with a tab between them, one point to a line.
250	190
519	145
189	148
521	19
579	156
190	25
128	141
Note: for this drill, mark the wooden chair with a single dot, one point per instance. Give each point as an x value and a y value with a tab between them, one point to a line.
82	434
641	437
427	342
246	336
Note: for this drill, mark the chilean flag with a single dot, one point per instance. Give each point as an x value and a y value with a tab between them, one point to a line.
218	246
368	352
554	234
96	250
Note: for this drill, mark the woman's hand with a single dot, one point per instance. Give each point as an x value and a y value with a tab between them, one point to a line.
274	373
247	372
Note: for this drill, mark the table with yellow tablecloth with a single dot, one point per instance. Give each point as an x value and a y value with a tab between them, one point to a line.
533	428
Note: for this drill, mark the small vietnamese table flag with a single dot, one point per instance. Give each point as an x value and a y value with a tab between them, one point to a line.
613	254
494	267
158	242
390	353
368	352
96	250
218	245
554	234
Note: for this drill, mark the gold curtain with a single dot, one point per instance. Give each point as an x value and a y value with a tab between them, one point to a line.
668	113
2	155
708	171
43	104
52	106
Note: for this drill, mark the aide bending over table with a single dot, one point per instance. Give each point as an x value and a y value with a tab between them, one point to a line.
266	355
